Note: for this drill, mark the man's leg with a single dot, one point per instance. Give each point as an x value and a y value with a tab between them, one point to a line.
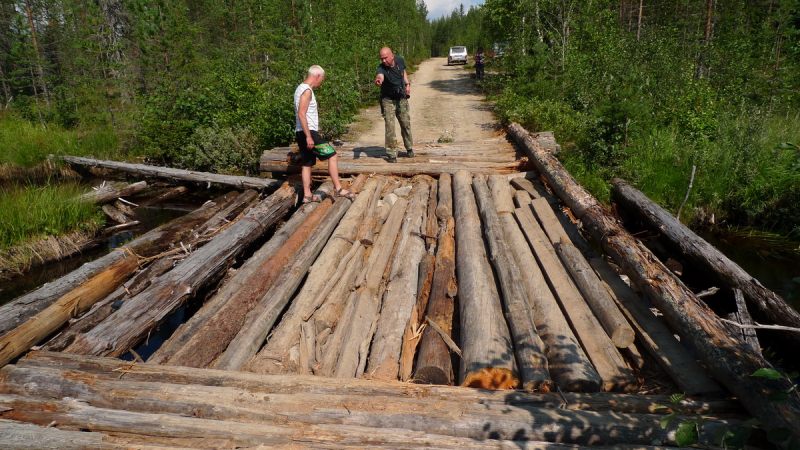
388	119
404	117
305	174
333	169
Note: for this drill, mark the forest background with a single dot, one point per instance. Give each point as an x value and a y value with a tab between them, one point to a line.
640	89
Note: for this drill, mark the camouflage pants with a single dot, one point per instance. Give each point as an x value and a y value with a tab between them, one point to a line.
399	108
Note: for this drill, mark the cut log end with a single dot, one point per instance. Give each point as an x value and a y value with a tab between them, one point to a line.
494	378
623	337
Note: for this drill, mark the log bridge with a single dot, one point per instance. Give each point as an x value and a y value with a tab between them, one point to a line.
474	298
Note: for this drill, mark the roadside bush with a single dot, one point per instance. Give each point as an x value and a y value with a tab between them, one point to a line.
222	150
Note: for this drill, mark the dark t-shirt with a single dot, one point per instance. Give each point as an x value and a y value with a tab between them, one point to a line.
394	85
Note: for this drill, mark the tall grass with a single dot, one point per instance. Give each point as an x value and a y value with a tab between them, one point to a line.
27	212
26	144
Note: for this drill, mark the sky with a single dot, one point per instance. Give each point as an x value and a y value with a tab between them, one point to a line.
439	8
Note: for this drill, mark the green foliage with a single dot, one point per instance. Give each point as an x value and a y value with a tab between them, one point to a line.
221	150
29	211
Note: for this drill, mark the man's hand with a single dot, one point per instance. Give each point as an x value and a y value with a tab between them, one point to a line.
309	142
408	89
379	80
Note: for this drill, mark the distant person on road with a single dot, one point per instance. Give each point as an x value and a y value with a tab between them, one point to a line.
391	76
312	145
480	61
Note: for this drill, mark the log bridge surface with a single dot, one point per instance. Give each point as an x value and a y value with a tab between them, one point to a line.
465	310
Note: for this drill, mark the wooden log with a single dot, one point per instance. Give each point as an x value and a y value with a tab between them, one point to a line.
106	307
528	346
526	185
743	317
108	192
727	361
434	365
207	334
137	316
709	258
176	174
124	208
501	194
604	307
75	303
115	214
149	244
261	319
232	209
444	208
656	338
115	369
402	289
567	363
276	356
343	359
488	342
174	192
213	406
596	344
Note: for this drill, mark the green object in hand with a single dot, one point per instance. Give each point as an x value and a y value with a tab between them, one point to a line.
324	149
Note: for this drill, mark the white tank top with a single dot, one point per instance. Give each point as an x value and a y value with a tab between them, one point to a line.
311	114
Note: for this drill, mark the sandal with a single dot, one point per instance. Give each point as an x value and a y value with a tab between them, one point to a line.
346	193
313	198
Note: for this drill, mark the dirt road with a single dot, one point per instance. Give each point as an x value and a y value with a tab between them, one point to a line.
445	104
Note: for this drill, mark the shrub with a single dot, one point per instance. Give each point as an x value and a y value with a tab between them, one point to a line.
222	150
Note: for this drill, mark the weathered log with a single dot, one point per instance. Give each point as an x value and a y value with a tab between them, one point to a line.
75	303
444	208
124	208
108	192
239	408
606	311
261	319
709	258
111	369
596	344
528	346
728	361
656	338
567	364
743	317
525	185
501	194
104	308
115	214
232	209
174	192
25	436
137	316
207	334
487	343
434	365
343	358
176	174
150	244
402	287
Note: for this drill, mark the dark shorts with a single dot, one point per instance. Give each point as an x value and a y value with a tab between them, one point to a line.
309	157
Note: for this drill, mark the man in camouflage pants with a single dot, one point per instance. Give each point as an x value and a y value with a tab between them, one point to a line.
391	76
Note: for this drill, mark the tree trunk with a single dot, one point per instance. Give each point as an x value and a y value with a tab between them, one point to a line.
485	339
728	361
150	244
260	320
709	258
108	192
401	290
176	174
137	316
528	346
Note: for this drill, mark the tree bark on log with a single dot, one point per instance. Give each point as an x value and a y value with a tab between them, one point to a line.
485	340
239	408
706	256
596	344
525	185
728	361
198	342
604	307
150	244
343	359
528	346
401	290
167	173
567	363
434	365
115	214
108	192
656	338
261	319
444	207
137	316
75	303
275	357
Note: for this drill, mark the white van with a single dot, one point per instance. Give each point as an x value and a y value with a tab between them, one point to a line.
457	55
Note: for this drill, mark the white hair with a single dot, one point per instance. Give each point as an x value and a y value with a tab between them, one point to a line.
316	70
